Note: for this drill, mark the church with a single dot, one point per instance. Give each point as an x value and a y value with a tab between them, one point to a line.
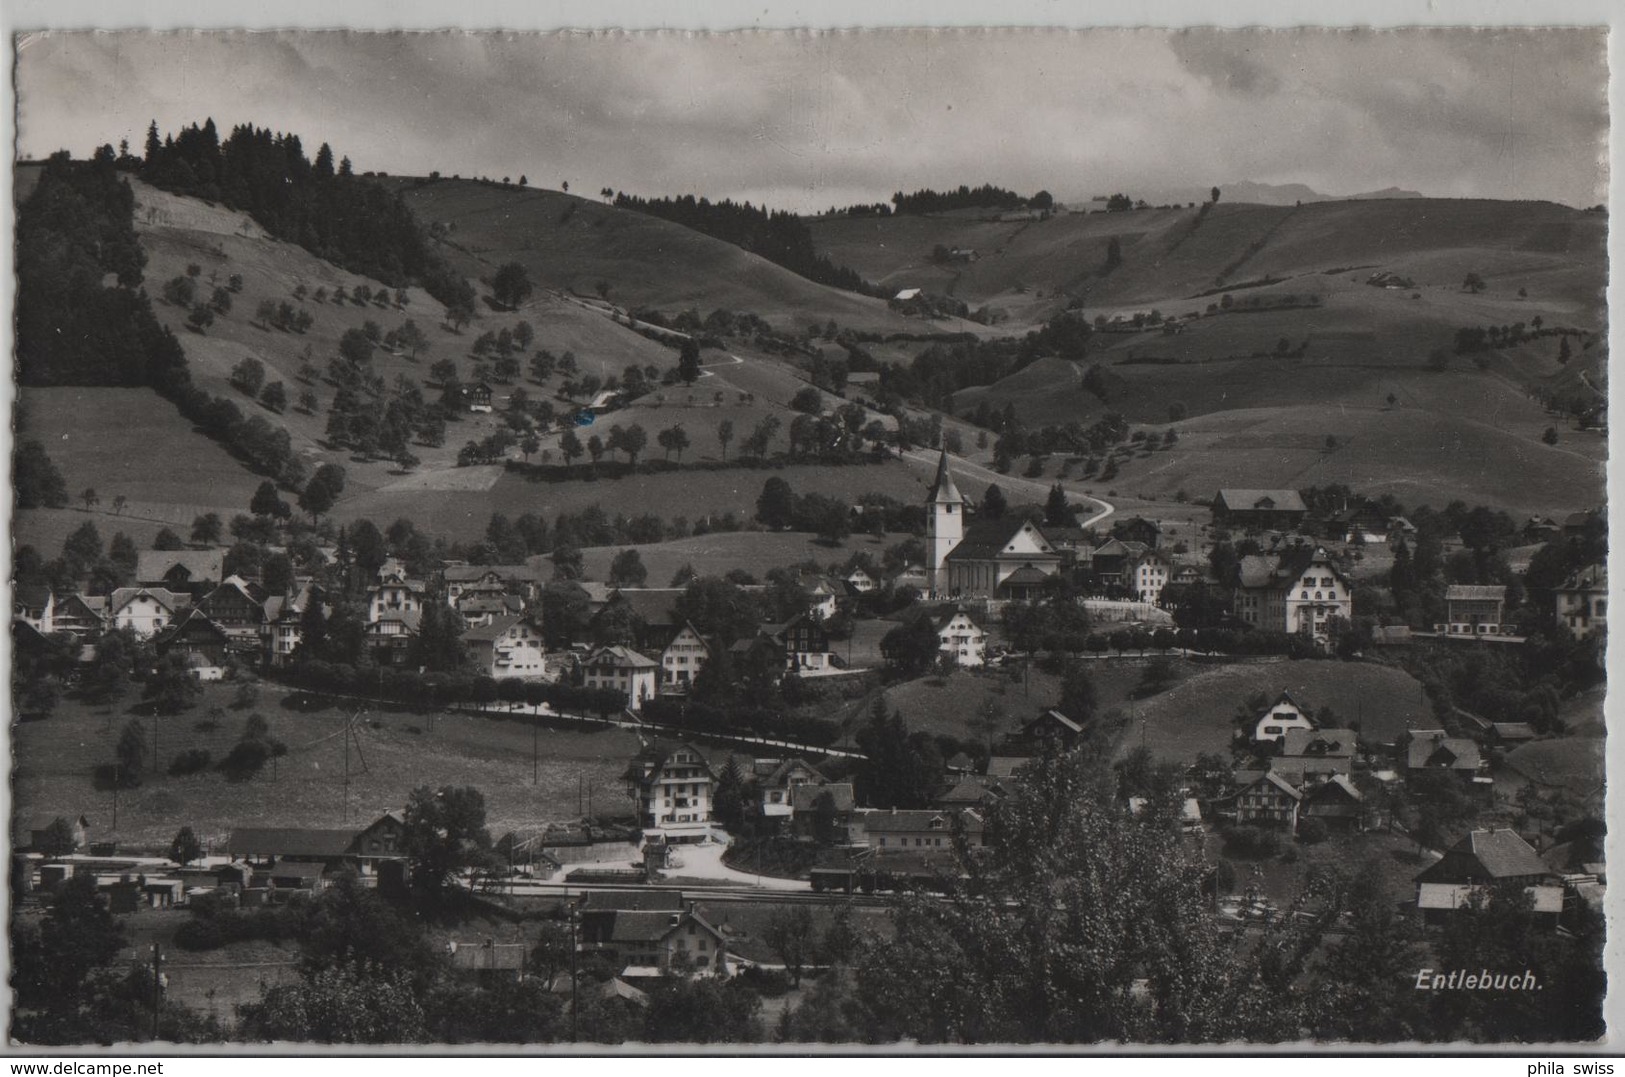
994	559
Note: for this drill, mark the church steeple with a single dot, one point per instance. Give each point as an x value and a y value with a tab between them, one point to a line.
945	527
943	490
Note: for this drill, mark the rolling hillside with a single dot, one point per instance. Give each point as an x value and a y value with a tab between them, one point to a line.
1169	255
571	244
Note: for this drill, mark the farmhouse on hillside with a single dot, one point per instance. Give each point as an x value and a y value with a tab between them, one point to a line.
1482	859
1284	714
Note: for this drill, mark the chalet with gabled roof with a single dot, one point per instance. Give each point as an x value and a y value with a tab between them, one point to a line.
200	639
1268	800
1473	610
189	572
1258	510
962	640
146	610
1582	601
1484	859
1432	749
682	660
1283	715
34	604
1335	802
1311	756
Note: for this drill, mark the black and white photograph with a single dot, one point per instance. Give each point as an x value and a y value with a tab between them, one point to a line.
767	540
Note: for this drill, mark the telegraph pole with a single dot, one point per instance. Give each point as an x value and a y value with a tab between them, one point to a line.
535	750
157	987
346	775
575	920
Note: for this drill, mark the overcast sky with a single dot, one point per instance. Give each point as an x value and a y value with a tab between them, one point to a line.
804	121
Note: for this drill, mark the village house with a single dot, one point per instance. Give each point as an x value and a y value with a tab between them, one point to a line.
971	791
394	593
1283	715
670	786
859	582
238	607
1268	800
477	396
811	816
1147	533
1113	561
481	609
1335	802
284	617
1311	756
81	616
682	660
646	617
1582	601
1472	610
507	647
1149	574
647	944
1433	749
522	581
776	779
1484	859
1258	510
189	572
1296	592
389	636
145	610
821	604
988	559
805	644
898	830
963	641
1050	731
624	670
34	604
204	644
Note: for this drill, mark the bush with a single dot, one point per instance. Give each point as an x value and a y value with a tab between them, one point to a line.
189	762
1312	831
769	983
1252	842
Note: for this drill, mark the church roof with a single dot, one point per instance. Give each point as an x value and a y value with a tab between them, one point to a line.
943	490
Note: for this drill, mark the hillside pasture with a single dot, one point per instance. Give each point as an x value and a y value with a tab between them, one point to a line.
571	244
1198	714
399	750
132	442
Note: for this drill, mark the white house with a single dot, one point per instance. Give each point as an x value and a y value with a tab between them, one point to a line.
820	599
507	647
145	609
1151	571
962	639
670	786
1582	601
625	670
394	593
682	660
1284	714
1296	592
860	581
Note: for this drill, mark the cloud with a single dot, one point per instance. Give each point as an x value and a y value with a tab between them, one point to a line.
807	119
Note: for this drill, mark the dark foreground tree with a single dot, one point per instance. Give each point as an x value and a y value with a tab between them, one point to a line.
1081	963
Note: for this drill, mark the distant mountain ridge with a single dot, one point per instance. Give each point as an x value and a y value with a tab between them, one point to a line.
1264	194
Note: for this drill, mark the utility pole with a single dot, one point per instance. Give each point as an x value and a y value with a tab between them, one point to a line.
346	775
117	777
535	749
157	987
575	921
